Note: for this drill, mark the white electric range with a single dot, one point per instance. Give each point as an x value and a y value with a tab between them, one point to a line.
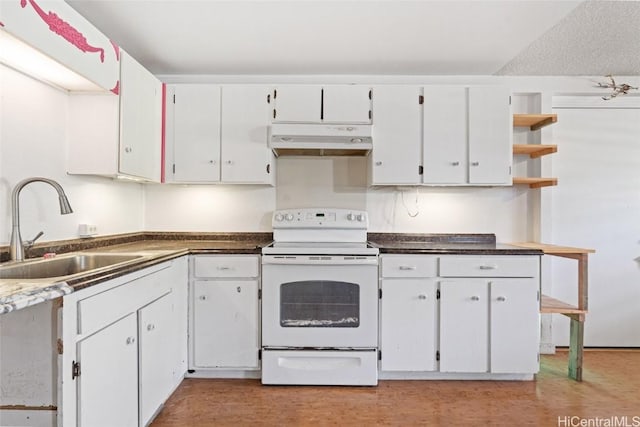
320	299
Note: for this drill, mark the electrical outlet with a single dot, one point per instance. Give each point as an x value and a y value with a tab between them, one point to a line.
87	230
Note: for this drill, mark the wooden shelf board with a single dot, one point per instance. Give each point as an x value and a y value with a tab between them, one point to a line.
554	249
535	182
534	121
534	150
552	305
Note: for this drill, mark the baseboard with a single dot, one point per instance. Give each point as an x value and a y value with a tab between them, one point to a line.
28	417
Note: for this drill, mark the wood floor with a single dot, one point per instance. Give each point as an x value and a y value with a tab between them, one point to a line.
611	388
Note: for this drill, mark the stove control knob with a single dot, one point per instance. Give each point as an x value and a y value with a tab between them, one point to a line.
279	217
351	217
361	217
289	217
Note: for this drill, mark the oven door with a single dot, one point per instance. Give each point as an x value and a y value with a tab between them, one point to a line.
319	301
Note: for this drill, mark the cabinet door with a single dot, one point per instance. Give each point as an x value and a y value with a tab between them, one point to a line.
195	139
297	104
490	130
397	135
157	355
464	325
408	325
108	383
246	156
346	104
140	120
226	324
515	325
444	156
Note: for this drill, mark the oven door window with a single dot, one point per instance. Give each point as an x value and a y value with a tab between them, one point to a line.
319	304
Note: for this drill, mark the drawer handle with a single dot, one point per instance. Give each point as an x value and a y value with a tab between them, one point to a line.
501	298
130	340
475	298
422	296
224	268
488	267
407	267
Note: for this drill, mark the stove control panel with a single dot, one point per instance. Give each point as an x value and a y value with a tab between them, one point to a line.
320	218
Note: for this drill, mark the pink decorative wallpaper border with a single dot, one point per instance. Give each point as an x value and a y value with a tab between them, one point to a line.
64	29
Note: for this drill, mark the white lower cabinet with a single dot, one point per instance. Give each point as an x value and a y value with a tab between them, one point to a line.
108	384
157	355
464	322
225	313
130	349
515	325
408	327
460	315
225	324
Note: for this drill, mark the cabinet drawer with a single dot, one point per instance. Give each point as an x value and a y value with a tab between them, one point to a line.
100	310
409	266
490	266
226	266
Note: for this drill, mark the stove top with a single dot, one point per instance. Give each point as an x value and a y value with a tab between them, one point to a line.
320	248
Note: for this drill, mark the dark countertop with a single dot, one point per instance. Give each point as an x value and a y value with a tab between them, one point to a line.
452	244
157	247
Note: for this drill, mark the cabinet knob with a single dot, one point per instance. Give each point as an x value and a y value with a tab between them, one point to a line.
130	340
229	162
378	163
455	163
202	297
239	289
475	163
501	298
422	296
151	327
213	162
475	298
128	149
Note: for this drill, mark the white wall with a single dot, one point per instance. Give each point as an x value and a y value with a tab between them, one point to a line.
208	208
597	205
32	143
342	182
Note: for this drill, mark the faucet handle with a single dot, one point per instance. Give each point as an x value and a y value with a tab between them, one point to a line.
28	243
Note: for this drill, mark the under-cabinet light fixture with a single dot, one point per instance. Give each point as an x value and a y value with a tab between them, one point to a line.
18	55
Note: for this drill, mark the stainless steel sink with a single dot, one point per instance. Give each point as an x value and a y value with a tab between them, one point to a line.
63	265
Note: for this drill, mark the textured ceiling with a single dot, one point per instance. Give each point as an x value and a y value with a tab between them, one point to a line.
597	38
477	37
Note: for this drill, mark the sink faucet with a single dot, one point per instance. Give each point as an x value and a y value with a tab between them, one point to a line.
17	246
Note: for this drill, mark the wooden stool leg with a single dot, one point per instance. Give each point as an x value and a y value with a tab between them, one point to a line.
576	346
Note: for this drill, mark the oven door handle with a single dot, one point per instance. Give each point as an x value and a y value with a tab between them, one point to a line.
319	260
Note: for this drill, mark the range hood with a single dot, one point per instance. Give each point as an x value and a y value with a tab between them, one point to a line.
304	139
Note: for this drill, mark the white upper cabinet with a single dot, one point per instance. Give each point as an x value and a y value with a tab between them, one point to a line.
297	104
192	133
467	135
397	135
246	157
140	121
57	30
322	104
346	104
490	135
118	135
458	136
444	155
218	134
